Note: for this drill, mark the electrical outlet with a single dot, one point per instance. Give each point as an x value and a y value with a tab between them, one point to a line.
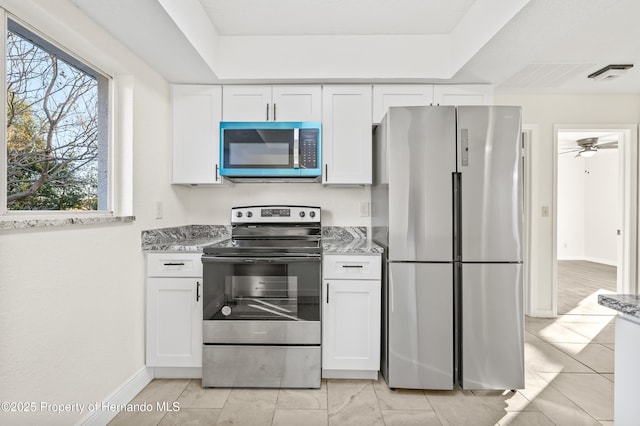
159	209
364	209
545	211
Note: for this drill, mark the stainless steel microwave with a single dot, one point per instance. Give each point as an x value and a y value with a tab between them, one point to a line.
270	149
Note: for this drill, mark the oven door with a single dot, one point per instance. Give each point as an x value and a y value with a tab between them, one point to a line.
261	300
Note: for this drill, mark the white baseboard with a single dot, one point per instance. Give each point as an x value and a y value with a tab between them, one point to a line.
121	396
602	261
177	372
590	259
350	374
542	313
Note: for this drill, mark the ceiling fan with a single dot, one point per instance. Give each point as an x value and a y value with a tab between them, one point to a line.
587	147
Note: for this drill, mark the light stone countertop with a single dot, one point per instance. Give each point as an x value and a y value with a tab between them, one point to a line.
190	238
355	246
624	303
193	238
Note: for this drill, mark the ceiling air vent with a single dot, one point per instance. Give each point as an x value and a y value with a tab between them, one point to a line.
610	72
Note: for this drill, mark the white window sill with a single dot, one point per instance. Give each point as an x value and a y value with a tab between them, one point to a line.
32	222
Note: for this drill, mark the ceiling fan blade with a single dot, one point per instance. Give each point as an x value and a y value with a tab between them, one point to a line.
608	145
570	151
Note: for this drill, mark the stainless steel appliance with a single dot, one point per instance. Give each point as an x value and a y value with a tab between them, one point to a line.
447	207
261	294
271	150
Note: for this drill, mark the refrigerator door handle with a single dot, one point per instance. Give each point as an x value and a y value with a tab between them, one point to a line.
464	146
391	291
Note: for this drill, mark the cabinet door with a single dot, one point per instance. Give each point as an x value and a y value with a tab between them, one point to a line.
351	325
246	103
463	94
297	103
174	322
387	95
346	134
196	115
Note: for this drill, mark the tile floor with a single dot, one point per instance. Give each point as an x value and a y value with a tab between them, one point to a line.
569	381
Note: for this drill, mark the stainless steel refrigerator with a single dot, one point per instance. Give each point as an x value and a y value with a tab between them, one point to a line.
447	207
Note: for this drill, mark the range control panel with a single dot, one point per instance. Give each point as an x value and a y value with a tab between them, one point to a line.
275	214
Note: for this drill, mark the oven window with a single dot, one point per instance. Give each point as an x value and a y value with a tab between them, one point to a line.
262	290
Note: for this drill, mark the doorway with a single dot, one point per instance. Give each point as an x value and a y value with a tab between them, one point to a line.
595	175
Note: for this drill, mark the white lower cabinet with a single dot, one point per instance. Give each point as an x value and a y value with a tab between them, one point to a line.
174	310
351	316
627	370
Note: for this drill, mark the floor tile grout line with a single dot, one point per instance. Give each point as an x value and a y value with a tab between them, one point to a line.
567	396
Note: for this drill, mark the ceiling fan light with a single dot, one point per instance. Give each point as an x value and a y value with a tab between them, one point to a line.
587	153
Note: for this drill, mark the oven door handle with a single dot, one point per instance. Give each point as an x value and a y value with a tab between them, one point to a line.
242	259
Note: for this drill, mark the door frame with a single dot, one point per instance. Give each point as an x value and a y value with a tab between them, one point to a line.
529	139
628	172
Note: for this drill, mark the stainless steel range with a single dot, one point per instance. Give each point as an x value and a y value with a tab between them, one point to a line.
262	291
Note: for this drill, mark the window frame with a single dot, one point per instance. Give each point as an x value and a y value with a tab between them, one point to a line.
67	55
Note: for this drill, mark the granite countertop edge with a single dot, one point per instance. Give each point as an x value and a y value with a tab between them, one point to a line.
193	238
628	304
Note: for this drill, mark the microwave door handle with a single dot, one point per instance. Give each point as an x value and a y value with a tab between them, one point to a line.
296	148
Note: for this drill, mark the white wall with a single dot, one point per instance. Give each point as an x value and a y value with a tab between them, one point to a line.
72	298
545	111
601	208
340	206
588	197
571	207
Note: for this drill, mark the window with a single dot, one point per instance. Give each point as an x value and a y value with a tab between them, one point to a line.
57	141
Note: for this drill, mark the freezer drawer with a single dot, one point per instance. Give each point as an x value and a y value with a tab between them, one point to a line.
261	366
419	337
492	326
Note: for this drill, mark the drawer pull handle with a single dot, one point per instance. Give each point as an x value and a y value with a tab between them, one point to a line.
353	266
174	264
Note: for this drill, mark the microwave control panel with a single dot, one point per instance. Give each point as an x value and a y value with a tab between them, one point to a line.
308	148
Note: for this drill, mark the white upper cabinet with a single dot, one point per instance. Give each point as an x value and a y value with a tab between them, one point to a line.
387	95
272	103
463	94
297	103
346	134
196	115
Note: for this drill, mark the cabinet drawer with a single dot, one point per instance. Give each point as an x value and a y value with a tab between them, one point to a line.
352	267
174	265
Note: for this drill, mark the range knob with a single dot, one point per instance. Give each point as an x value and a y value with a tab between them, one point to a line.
238	214
301	214
249	214
312	213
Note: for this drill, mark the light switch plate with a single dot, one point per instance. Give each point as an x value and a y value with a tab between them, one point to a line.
364	209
